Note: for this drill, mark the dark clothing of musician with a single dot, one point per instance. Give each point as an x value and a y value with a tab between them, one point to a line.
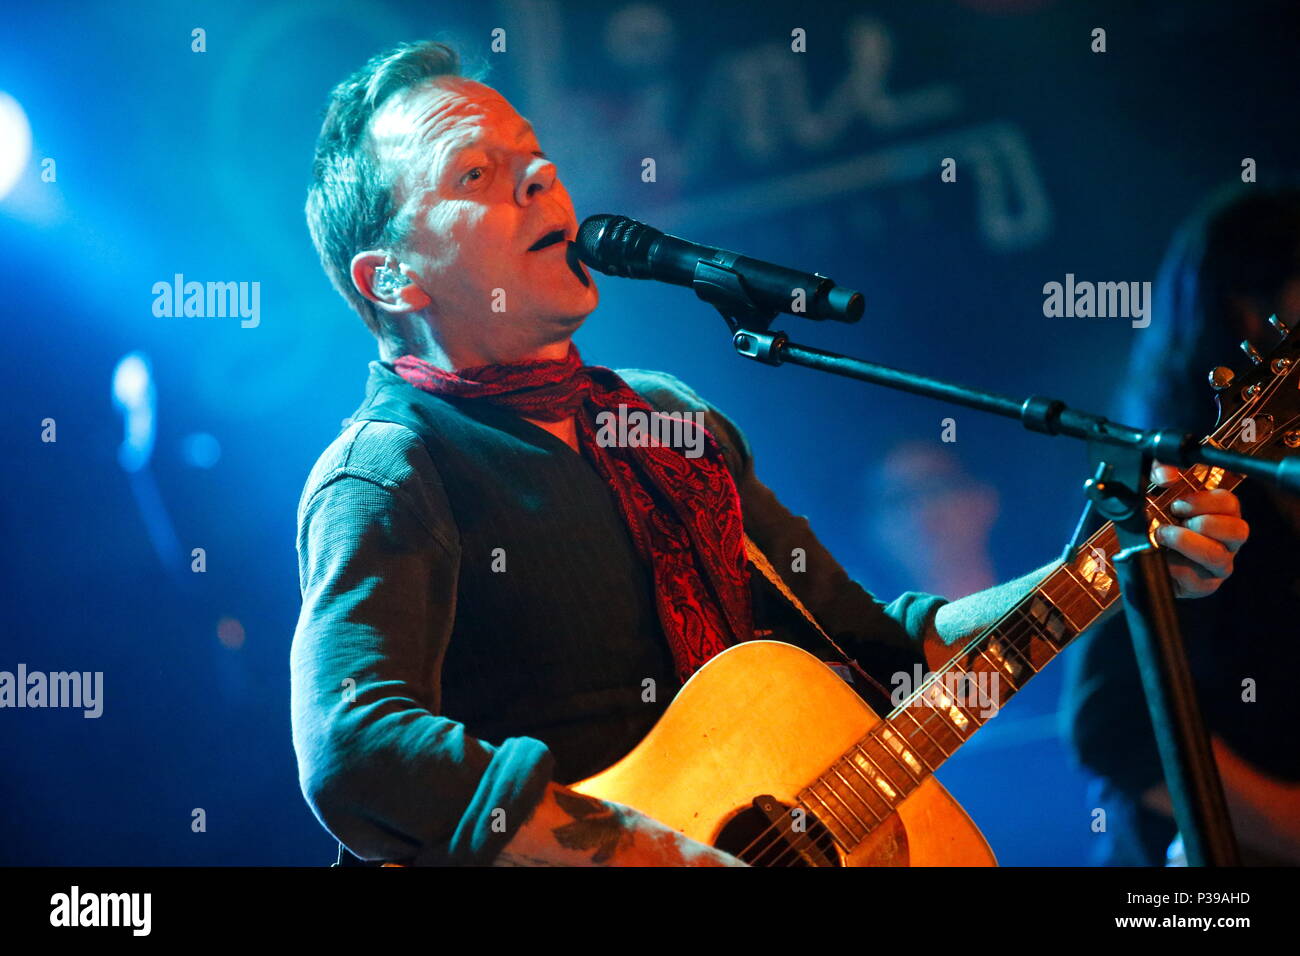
1240	634
476	621
1227	268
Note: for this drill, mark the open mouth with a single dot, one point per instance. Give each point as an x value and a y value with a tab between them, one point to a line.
550	239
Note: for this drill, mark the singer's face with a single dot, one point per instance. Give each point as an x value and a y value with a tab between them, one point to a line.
479	192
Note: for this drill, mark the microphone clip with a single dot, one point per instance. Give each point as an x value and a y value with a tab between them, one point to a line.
724	289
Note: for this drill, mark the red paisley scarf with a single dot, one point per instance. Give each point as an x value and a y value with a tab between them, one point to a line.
683	513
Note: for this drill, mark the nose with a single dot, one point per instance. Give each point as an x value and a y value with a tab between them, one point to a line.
539	176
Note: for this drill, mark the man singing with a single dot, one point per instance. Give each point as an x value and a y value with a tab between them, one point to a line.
496	603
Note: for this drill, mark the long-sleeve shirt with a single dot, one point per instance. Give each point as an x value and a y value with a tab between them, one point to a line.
476	622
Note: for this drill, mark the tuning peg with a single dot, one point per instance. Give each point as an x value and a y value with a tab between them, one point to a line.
1251	352
1221	378
1278	324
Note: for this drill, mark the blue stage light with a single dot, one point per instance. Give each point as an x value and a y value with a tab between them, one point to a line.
200	450
133	395
15	142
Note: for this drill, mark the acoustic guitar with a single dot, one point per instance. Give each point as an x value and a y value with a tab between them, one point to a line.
768	754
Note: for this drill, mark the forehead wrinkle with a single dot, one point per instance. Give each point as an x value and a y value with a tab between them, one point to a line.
446	117
409	118
409	125
403	129
452	108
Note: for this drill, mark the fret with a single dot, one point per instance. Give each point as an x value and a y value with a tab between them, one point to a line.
1208	478
1079	586
1039	626
1093	568
850	839
921	727
1047	636
983	679
1158	513
1002	667
860	799
987	683
946	705
880	787
912	764
949	695
911	781
1073	613
1051	619
932	718
1034	631
892	736
997	643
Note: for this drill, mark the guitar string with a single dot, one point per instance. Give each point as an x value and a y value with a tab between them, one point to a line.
1076	599
909	737
1013	636
774	830
1163	496
1069	604
1023	627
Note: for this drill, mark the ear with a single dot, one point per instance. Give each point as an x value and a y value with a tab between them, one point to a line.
389	284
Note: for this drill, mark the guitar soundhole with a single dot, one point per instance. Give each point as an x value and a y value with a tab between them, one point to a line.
769	834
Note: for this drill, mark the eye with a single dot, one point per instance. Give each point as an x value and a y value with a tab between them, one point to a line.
475	174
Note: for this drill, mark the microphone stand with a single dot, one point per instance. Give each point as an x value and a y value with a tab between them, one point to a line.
1121	457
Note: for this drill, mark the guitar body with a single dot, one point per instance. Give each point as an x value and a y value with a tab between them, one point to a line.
765	719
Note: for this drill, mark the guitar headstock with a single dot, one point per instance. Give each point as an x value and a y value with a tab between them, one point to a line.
1259	406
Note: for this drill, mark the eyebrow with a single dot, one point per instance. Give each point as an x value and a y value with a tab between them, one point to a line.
525	130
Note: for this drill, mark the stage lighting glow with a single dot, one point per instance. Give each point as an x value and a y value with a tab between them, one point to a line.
15	142
133	394
230	632
131	380
200	450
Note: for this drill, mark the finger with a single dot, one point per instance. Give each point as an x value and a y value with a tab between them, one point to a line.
1164	475
1192	581
1217	502
1196	548
1228	531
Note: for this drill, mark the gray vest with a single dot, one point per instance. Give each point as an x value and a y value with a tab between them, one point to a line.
561	644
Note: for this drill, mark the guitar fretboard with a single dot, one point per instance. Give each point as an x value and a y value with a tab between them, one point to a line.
863	788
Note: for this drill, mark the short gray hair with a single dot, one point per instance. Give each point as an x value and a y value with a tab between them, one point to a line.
350	201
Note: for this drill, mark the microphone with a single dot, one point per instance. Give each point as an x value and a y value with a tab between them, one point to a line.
619	246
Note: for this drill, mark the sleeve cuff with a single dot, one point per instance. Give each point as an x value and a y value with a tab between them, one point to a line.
507	793
915	612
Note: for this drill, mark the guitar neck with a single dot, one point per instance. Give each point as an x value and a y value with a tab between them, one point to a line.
863	788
